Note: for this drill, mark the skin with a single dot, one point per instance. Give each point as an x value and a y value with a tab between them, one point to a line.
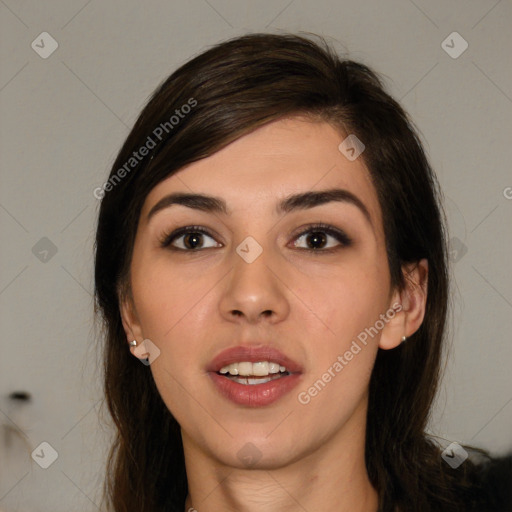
192	305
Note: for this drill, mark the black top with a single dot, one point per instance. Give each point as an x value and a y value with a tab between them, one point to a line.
495	493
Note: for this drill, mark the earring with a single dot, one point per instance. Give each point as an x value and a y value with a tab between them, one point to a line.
133	343
404	338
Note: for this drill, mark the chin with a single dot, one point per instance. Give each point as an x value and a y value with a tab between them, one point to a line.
260	451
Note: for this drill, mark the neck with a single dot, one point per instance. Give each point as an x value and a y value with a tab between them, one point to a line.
332	478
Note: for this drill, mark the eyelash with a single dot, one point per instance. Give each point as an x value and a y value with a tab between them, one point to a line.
345	241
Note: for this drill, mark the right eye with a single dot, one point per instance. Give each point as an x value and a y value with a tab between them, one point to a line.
189	239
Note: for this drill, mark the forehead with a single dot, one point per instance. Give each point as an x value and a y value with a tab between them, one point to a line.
284	157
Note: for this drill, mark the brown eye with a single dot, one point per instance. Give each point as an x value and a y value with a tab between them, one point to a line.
317	238
190	238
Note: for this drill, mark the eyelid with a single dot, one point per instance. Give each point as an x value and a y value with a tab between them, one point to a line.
167	237
344	240
339	234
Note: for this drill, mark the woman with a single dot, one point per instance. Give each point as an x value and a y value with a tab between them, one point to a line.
270	245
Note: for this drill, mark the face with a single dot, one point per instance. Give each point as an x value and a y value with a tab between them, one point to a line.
281	274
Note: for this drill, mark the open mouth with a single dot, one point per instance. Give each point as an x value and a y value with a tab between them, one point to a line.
254	376
251	374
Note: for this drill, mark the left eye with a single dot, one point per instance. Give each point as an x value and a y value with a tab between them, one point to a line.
189	239
317	238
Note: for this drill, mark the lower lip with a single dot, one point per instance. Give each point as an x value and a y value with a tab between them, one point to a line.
255	395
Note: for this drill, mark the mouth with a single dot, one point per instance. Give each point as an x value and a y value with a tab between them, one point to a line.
251	374
254	376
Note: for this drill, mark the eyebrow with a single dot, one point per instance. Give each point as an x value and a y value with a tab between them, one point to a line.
294	202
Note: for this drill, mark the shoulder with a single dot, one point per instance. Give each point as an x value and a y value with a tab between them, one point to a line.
494	479
480	484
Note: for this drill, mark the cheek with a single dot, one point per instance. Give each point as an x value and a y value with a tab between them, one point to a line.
173	308
342	357
346	302
337	391
168	298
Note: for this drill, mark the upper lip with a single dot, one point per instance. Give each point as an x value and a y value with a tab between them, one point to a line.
252	354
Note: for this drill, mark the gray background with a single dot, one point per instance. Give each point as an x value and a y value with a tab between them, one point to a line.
64	118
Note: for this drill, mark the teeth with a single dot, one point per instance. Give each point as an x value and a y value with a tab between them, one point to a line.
252	382
245	369
258	369
273	368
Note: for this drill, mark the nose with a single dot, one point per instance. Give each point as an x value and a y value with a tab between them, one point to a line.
254	291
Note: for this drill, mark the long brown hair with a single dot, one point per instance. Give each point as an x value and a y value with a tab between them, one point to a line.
232	89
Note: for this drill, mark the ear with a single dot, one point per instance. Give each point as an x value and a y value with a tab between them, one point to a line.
408	306
130	319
